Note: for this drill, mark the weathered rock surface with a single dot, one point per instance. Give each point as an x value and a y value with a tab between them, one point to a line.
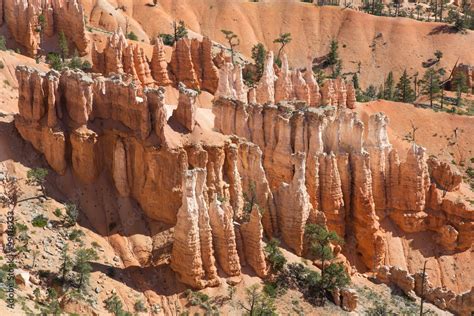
185	113
22	19
159	66
446	176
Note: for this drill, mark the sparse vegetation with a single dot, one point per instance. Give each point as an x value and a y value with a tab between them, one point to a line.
82	265
39	221
257	303
284	39
274	255
37	176
333	275
233	41
132	36
115	306
3	43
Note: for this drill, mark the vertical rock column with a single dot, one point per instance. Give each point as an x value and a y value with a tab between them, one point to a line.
191	256
294	207
370	242
185	113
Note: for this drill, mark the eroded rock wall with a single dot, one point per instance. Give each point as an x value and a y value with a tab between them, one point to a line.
22	18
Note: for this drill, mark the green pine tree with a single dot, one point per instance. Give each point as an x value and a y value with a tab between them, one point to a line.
404	91
431	84
389	87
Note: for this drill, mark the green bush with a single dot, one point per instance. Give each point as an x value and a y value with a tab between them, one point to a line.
132	36
3	43
274	255
39	221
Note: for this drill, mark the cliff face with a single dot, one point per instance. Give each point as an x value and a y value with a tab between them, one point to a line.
459	304
286	165
354	181
191	63
22	18
285	85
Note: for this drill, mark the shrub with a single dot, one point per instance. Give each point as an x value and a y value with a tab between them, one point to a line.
72	214
168	39
76	234
139	306
274	255
3	43
2	65
39	221
132	36
114	305
54	61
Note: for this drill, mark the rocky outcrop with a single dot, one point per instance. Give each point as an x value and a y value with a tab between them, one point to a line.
23	22
285	85
192	64
206	71
467	72
399	277
185	113
121	57
446	176
419	284
346	298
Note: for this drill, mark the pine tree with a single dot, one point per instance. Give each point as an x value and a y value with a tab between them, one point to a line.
333	56
404	92
63	45
333	275
233	41
66	263
82	265
355	81
389	87
179	30
431	85
459	82
284	39
258	55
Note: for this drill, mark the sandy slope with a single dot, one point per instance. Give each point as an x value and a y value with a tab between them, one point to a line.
380	44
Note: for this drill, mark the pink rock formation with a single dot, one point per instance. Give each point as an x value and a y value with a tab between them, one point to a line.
181	67
22	19
188	251
315	96
283	85
252	235
159	66
224	237
265	90
446	176
185	113
351	96
294	207
301	89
